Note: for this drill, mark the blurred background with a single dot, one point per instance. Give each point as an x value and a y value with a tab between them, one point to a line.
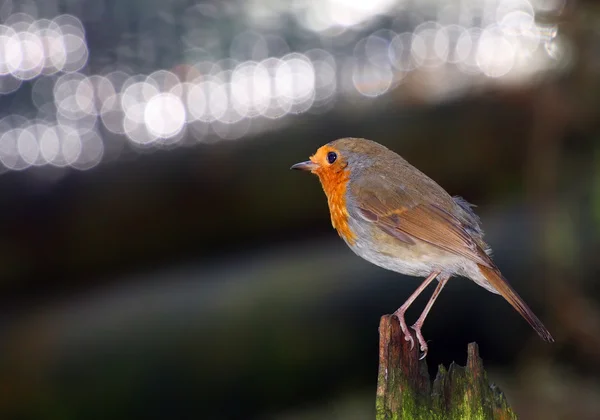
159	260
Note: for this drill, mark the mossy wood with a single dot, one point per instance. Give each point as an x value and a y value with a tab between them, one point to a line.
405	391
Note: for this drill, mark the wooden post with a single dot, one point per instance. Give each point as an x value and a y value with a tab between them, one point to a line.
405	391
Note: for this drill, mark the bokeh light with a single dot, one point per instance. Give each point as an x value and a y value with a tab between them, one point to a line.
226	90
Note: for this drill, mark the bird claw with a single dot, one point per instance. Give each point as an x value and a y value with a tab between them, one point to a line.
404	328
421	339
408	337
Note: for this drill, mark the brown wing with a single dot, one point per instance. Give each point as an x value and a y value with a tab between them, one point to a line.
401	214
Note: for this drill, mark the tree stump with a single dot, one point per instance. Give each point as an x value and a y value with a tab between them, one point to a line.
405	390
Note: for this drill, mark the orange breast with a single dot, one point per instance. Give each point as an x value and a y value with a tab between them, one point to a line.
334	184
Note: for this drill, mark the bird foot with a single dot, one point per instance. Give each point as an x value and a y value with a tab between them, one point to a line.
404	327
421	339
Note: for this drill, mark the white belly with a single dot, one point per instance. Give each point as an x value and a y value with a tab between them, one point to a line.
419	260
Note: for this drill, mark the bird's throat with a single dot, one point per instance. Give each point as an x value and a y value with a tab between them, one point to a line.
335	184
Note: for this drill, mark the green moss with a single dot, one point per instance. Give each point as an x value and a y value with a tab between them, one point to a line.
405	390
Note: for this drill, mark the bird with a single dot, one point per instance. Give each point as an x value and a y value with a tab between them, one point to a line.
396	217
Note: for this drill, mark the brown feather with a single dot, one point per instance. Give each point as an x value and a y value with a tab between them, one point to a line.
426	222
501	285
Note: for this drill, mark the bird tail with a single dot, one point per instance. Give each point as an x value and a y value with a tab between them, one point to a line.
495	278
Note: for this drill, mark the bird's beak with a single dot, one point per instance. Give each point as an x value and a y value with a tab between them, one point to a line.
305	166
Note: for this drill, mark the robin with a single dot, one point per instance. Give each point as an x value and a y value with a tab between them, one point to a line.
396	217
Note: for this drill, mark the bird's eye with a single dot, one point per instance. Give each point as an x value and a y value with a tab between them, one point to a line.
331	157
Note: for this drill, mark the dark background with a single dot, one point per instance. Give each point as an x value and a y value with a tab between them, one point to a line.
200	278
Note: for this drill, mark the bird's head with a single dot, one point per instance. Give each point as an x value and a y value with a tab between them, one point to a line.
336	162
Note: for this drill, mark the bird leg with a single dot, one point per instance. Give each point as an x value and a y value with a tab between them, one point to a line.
402	310
417	325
